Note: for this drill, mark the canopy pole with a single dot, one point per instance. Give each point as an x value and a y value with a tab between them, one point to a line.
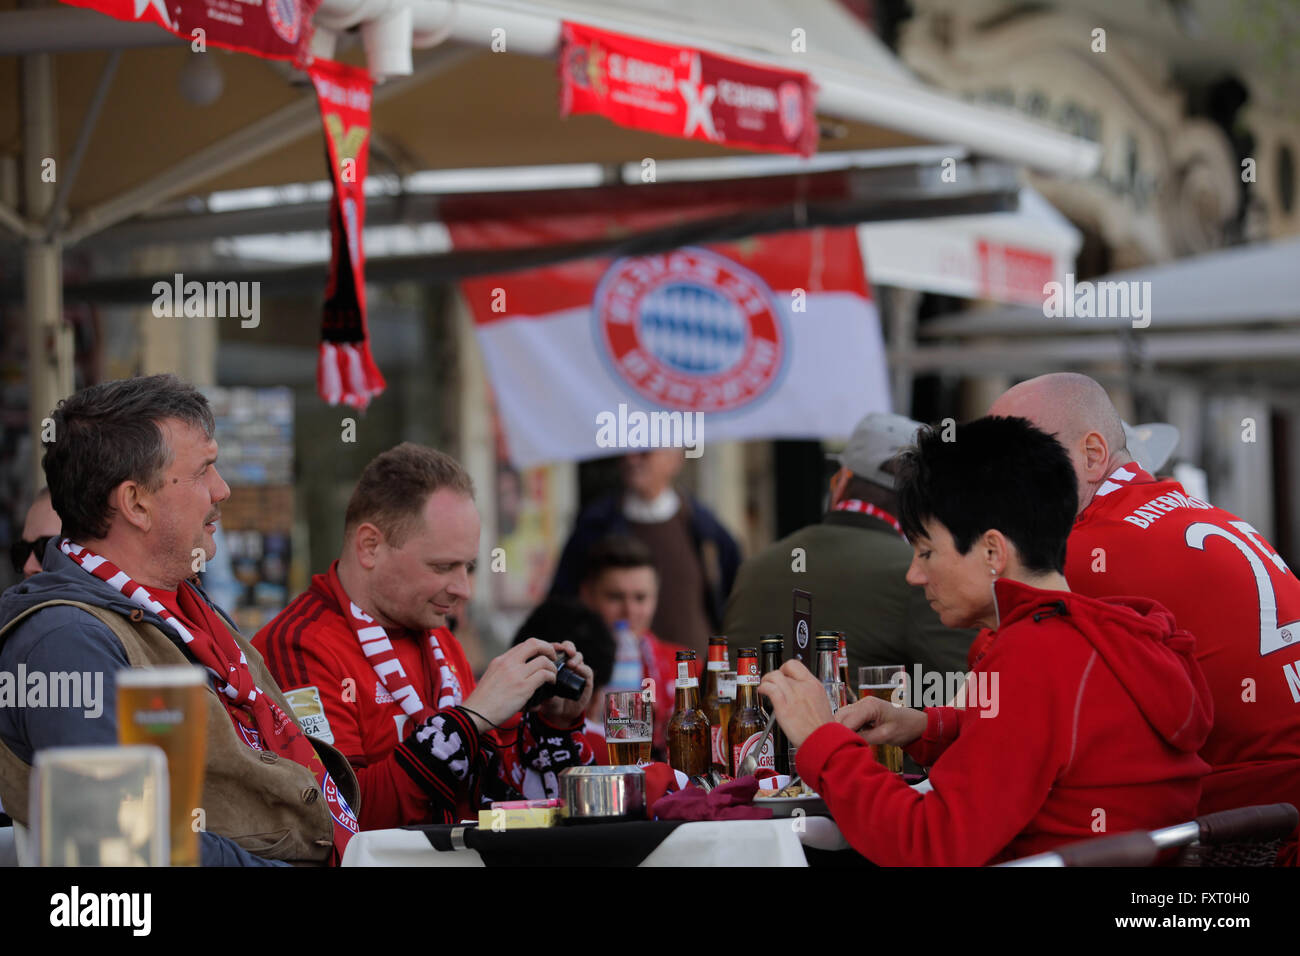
49	339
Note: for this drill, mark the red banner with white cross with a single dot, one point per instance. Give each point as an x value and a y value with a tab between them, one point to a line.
684	92
273	29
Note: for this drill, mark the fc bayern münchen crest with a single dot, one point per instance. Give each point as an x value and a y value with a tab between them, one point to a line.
286	19
690	329
790	101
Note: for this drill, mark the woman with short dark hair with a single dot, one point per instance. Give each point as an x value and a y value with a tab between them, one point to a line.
1082	717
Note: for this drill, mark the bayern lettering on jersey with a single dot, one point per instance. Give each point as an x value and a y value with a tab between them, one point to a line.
1159	506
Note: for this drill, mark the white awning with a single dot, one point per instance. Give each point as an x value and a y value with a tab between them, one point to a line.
857	76
1256	283
1237	307
1006	257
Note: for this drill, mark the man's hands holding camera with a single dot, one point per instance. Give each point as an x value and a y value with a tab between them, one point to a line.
524	677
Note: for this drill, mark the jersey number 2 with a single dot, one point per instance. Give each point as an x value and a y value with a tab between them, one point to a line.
1271	636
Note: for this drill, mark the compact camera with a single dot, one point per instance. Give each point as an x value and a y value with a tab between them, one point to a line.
569	684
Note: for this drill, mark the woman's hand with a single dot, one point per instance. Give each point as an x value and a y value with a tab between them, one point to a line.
880	722
798	699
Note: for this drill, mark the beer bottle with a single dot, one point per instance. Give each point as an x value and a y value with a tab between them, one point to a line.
772	649
747	720
827	644
850	696
688	729
717	709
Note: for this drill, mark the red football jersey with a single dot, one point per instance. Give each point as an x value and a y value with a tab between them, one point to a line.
1236	595
315	656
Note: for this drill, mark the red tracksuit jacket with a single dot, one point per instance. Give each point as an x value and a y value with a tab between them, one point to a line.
1232	590
312	652
1098	710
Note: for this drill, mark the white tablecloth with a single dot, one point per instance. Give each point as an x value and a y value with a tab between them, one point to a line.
777	842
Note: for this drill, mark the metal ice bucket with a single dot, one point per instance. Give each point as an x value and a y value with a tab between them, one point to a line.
599	793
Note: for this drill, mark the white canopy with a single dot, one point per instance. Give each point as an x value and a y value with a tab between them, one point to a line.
1006	257
1238	306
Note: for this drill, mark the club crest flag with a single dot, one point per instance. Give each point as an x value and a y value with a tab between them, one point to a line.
273	29
680	91
346	372
774	336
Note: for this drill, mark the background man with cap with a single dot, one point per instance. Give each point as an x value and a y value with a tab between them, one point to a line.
855	564
1139	535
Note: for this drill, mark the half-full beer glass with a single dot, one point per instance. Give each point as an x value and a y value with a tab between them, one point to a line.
886	683
166	707
629	726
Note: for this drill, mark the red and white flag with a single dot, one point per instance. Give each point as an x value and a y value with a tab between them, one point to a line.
680	91
774	336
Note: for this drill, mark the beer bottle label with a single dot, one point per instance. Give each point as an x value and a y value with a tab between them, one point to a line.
766	757
684	678
719	744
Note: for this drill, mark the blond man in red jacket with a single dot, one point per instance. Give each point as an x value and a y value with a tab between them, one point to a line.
1099	706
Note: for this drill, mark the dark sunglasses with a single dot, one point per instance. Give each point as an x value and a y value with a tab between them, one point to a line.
19	550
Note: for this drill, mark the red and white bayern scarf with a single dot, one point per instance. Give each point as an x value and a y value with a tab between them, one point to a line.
867	508
383	658
217	651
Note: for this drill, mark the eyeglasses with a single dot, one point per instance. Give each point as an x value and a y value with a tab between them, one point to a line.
19	550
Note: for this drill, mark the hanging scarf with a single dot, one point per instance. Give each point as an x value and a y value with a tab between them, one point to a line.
261	723
345	370
867	508
379	651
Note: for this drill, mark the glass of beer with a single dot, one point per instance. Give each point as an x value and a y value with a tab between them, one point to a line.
166	707
629	727
885	682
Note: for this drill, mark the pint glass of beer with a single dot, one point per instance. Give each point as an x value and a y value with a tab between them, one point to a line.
629	726
166	707
886	683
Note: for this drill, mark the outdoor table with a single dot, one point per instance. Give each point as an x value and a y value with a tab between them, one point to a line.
775	842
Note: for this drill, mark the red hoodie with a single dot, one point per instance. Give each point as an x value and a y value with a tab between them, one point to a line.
1099	708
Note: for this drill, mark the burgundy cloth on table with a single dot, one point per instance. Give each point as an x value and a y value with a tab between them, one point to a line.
731	801
659	780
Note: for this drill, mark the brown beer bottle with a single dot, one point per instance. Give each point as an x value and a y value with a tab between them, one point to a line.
772	650
688	728
850	696
747	720
714	704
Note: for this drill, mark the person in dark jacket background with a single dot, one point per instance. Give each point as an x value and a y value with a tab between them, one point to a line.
695	557
854	562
